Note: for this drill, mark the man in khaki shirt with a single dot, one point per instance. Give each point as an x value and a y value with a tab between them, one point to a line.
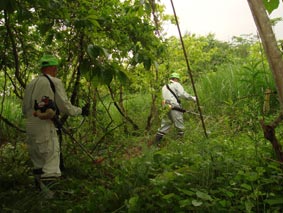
171	94
42	138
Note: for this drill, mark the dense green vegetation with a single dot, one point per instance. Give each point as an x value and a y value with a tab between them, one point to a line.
113	56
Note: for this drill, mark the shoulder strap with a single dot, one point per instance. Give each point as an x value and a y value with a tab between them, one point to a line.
56	120
54	91
178	100
51	83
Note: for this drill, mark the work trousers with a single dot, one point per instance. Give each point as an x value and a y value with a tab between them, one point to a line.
44	152
173	117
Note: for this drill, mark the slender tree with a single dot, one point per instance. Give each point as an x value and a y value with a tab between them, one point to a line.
274	57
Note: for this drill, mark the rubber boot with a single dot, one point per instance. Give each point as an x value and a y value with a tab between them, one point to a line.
49	181
158	139
180	134
37	175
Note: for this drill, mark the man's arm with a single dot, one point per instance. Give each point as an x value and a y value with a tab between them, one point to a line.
182	93
62	101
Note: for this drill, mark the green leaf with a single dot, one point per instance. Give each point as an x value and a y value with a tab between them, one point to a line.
147	63
249	205
107	75
49	39
275	201
133	201
187	192
93	19
85	67
196	203
246	186
168	196
184	203
95	75
122	77
271	5
223	203
94	51
203	196
225	192
95	81
45	27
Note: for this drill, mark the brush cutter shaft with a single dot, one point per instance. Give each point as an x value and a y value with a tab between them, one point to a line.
78	143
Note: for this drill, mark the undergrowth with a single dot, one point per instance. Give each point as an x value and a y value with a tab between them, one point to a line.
234	169
193	174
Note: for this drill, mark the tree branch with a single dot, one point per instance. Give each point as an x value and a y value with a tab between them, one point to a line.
11	124
15	52
269	134
135	126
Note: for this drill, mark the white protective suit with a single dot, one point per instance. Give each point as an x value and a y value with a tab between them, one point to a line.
42	139
173	117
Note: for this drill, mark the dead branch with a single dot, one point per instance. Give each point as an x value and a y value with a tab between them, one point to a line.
269	134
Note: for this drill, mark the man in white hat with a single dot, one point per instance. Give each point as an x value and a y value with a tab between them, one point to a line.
45	97
171	94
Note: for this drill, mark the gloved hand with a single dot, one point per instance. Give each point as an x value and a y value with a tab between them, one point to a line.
85	109
194	98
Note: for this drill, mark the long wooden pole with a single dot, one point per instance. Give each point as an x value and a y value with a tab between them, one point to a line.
189	70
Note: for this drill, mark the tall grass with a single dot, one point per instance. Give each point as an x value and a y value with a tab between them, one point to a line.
11	111
234	84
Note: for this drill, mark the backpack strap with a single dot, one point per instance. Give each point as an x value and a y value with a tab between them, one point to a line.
51	83
178	100
54	91
58	124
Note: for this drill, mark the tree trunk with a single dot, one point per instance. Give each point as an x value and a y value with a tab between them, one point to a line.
275	61
270	46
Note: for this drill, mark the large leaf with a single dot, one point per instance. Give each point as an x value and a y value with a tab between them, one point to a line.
186	192
132	203
45	27
184	203
85	67
271	5
275	201
197	203
168	196
122	77
107	75
203	196
147	63
93	20
94	51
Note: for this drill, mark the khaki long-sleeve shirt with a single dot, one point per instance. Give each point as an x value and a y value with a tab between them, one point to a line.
35	90
179	91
